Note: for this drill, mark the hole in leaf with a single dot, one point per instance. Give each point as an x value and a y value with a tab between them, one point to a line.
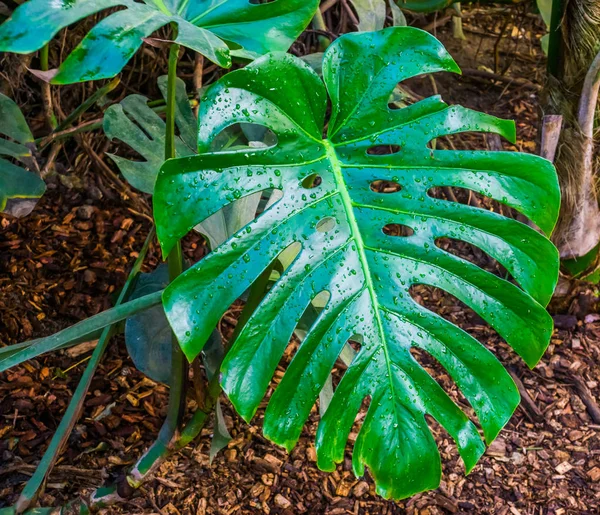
472	198
473	254
381	186
285	258
326	224
449	307
242	136
312	312
312	181
469	140
397	230
402	96
383	150
268	198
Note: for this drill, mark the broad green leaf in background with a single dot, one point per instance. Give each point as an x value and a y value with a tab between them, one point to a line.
398	18
134	123
216	29
19	188
333	207
148	336
371	14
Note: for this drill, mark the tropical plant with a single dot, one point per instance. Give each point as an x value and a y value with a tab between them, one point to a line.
19	188
332	207
217	30
353	230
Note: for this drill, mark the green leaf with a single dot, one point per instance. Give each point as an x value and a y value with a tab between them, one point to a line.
148	335
19	188
398	17
207	27
545	8
424	6
371	14
339	222
134	123
578	266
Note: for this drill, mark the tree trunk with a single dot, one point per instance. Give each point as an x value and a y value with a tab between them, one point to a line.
574	45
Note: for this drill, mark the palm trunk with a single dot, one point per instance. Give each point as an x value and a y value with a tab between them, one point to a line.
575	42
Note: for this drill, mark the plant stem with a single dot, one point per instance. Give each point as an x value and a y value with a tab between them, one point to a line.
318	23
81	330
46	91
33	486
171	98
169	432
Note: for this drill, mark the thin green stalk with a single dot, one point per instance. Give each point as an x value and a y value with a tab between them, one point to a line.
10	350
33	486
318	23
87	104
46	91
170	429
171	101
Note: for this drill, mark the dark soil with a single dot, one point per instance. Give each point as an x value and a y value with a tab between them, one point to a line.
65	262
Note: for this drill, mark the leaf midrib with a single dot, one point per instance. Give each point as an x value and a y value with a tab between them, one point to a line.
195	20
360	246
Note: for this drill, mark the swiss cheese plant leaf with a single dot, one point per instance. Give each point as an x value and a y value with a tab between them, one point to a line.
133	122
19	188
333	208
215	28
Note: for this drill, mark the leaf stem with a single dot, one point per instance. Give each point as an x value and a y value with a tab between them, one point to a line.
46	91
318	23
81	330
170	430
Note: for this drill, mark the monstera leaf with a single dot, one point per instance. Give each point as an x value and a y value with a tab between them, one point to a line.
134	123
211	27
348	229
19	189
